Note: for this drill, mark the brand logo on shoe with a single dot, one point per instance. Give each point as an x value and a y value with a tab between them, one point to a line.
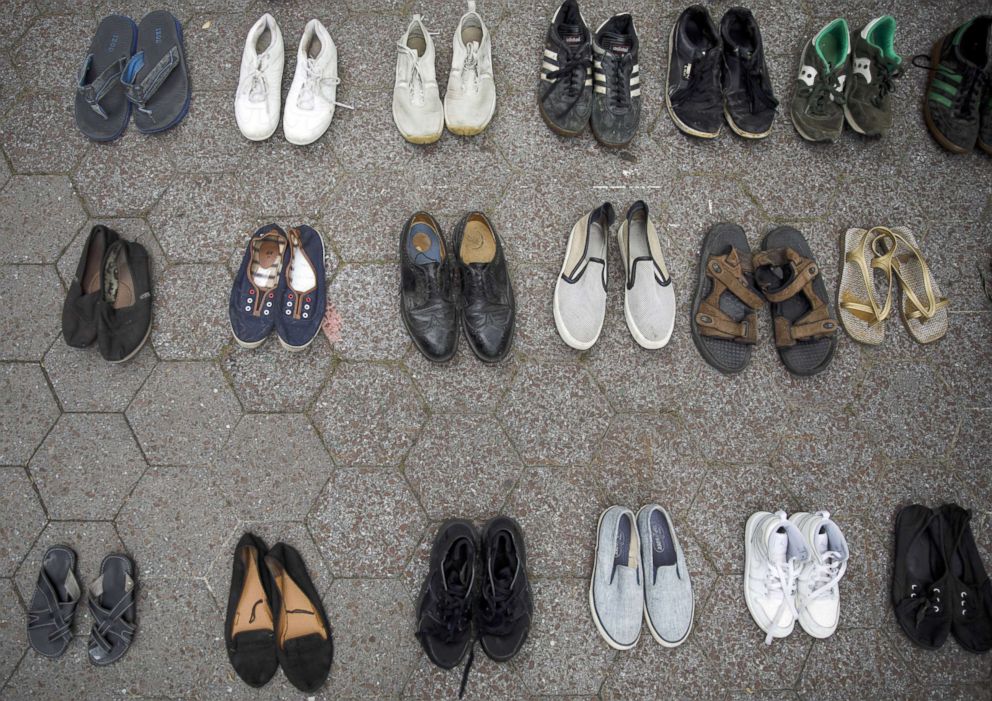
158	35
686	71
862	66
573	39
658	536
807	74
114	40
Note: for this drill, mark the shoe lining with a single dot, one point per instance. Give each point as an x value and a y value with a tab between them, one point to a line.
264	41
478	242
314	47
91	273
298	617
253	612
470	34
662	547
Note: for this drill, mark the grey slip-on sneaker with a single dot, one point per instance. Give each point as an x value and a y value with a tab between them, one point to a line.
668	603
616	593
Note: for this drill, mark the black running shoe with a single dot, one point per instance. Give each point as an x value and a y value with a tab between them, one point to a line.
749	101
693	94
960	65
616	106
444	610
565	93
505	606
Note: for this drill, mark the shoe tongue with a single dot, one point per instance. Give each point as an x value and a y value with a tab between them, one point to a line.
821	542
778	545
616	44
571	34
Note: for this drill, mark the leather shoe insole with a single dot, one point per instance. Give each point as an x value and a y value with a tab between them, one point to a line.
423	244
298	617
253	612
478	243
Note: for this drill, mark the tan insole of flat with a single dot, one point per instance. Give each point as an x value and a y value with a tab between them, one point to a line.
253	612
125	285
478	243
91	273
298	617
470	34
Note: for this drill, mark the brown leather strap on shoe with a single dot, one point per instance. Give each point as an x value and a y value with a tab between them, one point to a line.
816	323
727	273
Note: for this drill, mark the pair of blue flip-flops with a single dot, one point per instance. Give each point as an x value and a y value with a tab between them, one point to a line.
133	67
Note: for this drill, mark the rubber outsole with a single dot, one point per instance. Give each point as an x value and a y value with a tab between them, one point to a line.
553	127
148	334
127	119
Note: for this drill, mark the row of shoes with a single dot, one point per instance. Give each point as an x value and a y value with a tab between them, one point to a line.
312	96
939	584
792	572
896	254
640	572
281	286
470	98
133	67
109	301
476	590
580	290
111	602
442	292
275	618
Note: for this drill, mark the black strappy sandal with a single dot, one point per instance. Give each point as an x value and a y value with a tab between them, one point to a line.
53	605
112	605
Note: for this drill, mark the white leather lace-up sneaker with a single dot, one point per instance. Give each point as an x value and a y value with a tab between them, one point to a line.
818	594
775	553
470	100
417	108
259	96
313	94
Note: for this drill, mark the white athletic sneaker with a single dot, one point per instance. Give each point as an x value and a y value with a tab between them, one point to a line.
774	554
470	100
311	99
818	594
417	108
649	295
257	102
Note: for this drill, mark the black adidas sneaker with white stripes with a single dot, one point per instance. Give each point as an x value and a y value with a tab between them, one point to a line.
565	92
616	106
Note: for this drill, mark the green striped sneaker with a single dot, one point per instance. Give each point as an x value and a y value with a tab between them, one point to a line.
960	67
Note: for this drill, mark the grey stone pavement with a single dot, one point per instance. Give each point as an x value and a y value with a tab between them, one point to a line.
354	453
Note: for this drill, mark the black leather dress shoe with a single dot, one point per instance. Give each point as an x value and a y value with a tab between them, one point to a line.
427	304
487	307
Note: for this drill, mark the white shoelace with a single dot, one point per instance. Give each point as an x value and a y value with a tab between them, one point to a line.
415	81
783	579
258	88
471	66
312	83
826	575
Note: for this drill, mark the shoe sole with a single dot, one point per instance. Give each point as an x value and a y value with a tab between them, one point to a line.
748	537
683	127
422	140
148	334
297	349
743	132
639	337
647	619
934	131
556	129
592	601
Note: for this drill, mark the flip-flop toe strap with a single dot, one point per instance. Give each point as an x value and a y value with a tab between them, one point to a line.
101	85
141	93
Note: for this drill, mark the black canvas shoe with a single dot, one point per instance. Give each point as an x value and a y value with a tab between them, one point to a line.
487	307
505	606
616	106
921	594
749	100
970	594
693	95
565	92
125	315
82	305
959	70
427	304
444	609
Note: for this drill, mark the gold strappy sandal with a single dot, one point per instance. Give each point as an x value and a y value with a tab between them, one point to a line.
923	308
857	302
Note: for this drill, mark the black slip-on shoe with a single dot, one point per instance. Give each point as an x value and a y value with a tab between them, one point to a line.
444	608
113	608
81	309
53	605
616	105
970	595
565	91
693	94
125	319
427	304
749	100
505	606
304	640
487	308
920	581
249	628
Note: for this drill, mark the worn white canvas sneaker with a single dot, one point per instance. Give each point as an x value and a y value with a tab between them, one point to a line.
775	553
259	97
417	108
818	593
470	100
313	94
649	295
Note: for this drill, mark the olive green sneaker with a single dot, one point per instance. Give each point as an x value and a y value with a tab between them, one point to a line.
874	66
959	68
818	103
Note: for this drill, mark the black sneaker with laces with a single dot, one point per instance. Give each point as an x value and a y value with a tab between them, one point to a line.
427	304
749	100
565	92
693	94
616	106
444	609
505	606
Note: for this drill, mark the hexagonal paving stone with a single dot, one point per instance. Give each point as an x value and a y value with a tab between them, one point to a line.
492	681
27	414
294	182
950	664
212	65
23	517
971	447
192	319
64	39
31	315
463	385
13	636
40	136
21	201
39	677
176	521
853	660
535	335
367	522
962	357
4	172
10	89
183	414
364	296
84	381
87	466
372	631
462	465
274	463
369	414
555	415
124	178
269	378
208	140
201	218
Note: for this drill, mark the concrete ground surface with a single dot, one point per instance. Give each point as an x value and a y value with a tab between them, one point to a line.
355	452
